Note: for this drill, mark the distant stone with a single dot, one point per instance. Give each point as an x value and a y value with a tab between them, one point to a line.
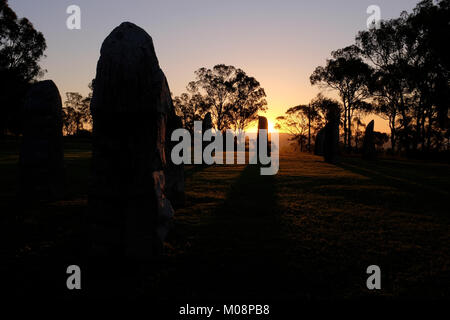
206	125
174	173
41	155
207	122
369	150
331	139
132	175
262	125
319	144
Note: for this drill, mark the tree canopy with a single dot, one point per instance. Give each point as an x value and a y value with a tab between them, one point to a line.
21	48
400	71
233	98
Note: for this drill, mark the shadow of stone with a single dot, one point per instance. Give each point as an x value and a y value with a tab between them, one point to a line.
195	169
251	195
422	196
238	256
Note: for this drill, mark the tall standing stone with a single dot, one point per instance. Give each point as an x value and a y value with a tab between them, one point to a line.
369	150
262	125
41	155
207	122
133	115
206	125
174	173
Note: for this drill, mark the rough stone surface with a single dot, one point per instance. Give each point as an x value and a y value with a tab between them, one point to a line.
369	150
132	177
41	156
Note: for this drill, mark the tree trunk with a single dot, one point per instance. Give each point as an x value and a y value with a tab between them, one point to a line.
345	124
423	133
430	130
349	129
393	133
309	132
417	133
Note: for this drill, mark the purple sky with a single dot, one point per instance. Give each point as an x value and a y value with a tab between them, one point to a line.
278	42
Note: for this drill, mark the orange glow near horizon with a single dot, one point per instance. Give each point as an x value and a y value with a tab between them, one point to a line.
280	55
254	126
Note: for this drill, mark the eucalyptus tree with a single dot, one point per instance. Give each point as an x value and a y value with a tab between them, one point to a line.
349	75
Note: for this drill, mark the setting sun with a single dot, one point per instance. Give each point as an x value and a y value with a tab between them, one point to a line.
220	159
254	126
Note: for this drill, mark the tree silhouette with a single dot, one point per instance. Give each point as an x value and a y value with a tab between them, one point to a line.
313	116
191	106
76	112
249	99
386	50
410	85
400	71
21	48
347	73
295	122
218	86
303	122
233	98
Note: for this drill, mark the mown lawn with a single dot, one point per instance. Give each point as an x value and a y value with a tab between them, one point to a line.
308	232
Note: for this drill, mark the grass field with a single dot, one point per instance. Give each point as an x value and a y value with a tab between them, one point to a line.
308	232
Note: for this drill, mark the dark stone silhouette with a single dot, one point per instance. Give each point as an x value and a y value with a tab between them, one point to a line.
174	173
206	125
369	150
41	155
262	124
133	117
319	143
331	139
207	122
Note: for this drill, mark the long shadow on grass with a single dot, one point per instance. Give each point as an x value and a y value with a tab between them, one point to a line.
237	255
413	182
194	169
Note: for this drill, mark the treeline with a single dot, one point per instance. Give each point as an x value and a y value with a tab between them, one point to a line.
21	49
77	119
303	122
398	71
231	96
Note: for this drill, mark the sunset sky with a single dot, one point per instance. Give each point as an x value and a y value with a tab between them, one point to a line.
278	42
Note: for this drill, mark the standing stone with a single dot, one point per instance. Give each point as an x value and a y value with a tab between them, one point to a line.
133	117
369	150
262	125
207	122
174	172
206	125
41	155
319	143
331	139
